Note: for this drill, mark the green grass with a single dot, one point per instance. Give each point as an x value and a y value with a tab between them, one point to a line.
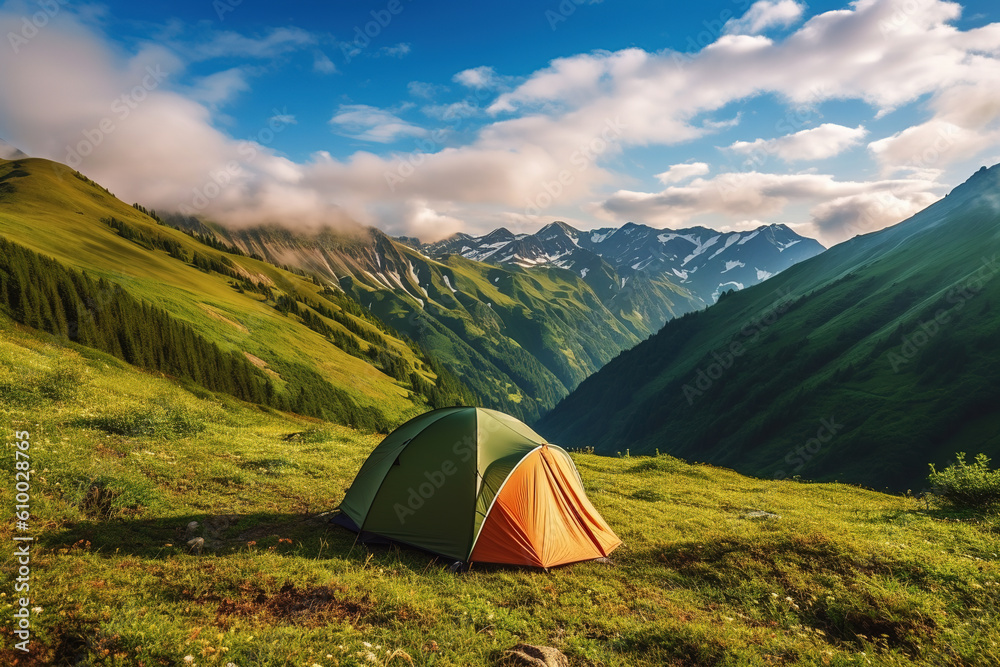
124	460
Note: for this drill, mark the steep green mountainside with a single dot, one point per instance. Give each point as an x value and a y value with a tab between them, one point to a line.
123	461
82	265
519	338
862	364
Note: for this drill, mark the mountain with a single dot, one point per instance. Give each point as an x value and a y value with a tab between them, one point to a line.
82	266
520	337
862	364
703	261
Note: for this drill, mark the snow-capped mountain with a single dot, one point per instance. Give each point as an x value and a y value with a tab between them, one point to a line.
704	261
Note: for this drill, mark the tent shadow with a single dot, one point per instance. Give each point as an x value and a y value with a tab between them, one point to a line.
309	536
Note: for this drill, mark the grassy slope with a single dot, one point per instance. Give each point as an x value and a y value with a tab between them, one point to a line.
819	342
43	206
845	576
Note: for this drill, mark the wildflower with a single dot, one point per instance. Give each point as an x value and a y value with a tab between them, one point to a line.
789	600
188	659
774	595
37	610
366	644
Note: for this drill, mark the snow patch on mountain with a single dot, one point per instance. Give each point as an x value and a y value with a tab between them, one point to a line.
702	247
729	241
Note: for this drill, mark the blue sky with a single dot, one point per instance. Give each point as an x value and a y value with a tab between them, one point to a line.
430	118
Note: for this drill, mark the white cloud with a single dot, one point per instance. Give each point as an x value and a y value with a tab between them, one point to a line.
221	87
369	123
228	44
682	172
425	90
395	51
766	14
322	63
477	77
838	208
818	143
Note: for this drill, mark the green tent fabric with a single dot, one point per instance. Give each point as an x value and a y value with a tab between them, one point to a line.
432	482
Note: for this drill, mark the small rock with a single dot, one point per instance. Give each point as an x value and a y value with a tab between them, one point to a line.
196	544
191	527
758	514
527	655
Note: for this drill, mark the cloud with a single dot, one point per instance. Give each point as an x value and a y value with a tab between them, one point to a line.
766	14
425	90
322	63
682	172
396	51
221	87
838	208
818	143
369	123
477	77
228	44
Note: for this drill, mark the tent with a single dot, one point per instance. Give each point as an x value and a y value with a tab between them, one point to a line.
476	485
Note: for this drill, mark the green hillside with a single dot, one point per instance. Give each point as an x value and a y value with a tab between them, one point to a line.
519	338
124	460
862	364
309	349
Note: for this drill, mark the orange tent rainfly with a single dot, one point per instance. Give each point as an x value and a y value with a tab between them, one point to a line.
476	485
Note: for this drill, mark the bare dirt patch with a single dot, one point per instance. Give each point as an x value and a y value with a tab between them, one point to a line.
222	318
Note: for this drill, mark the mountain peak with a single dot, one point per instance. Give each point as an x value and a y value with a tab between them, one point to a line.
558	226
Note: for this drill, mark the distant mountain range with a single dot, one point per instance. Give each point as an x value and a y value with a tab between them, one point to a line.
519	338
863	364
522	320
703	261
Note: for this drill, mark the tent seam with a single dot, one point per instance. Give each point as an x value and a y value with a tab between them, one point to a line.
489	509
